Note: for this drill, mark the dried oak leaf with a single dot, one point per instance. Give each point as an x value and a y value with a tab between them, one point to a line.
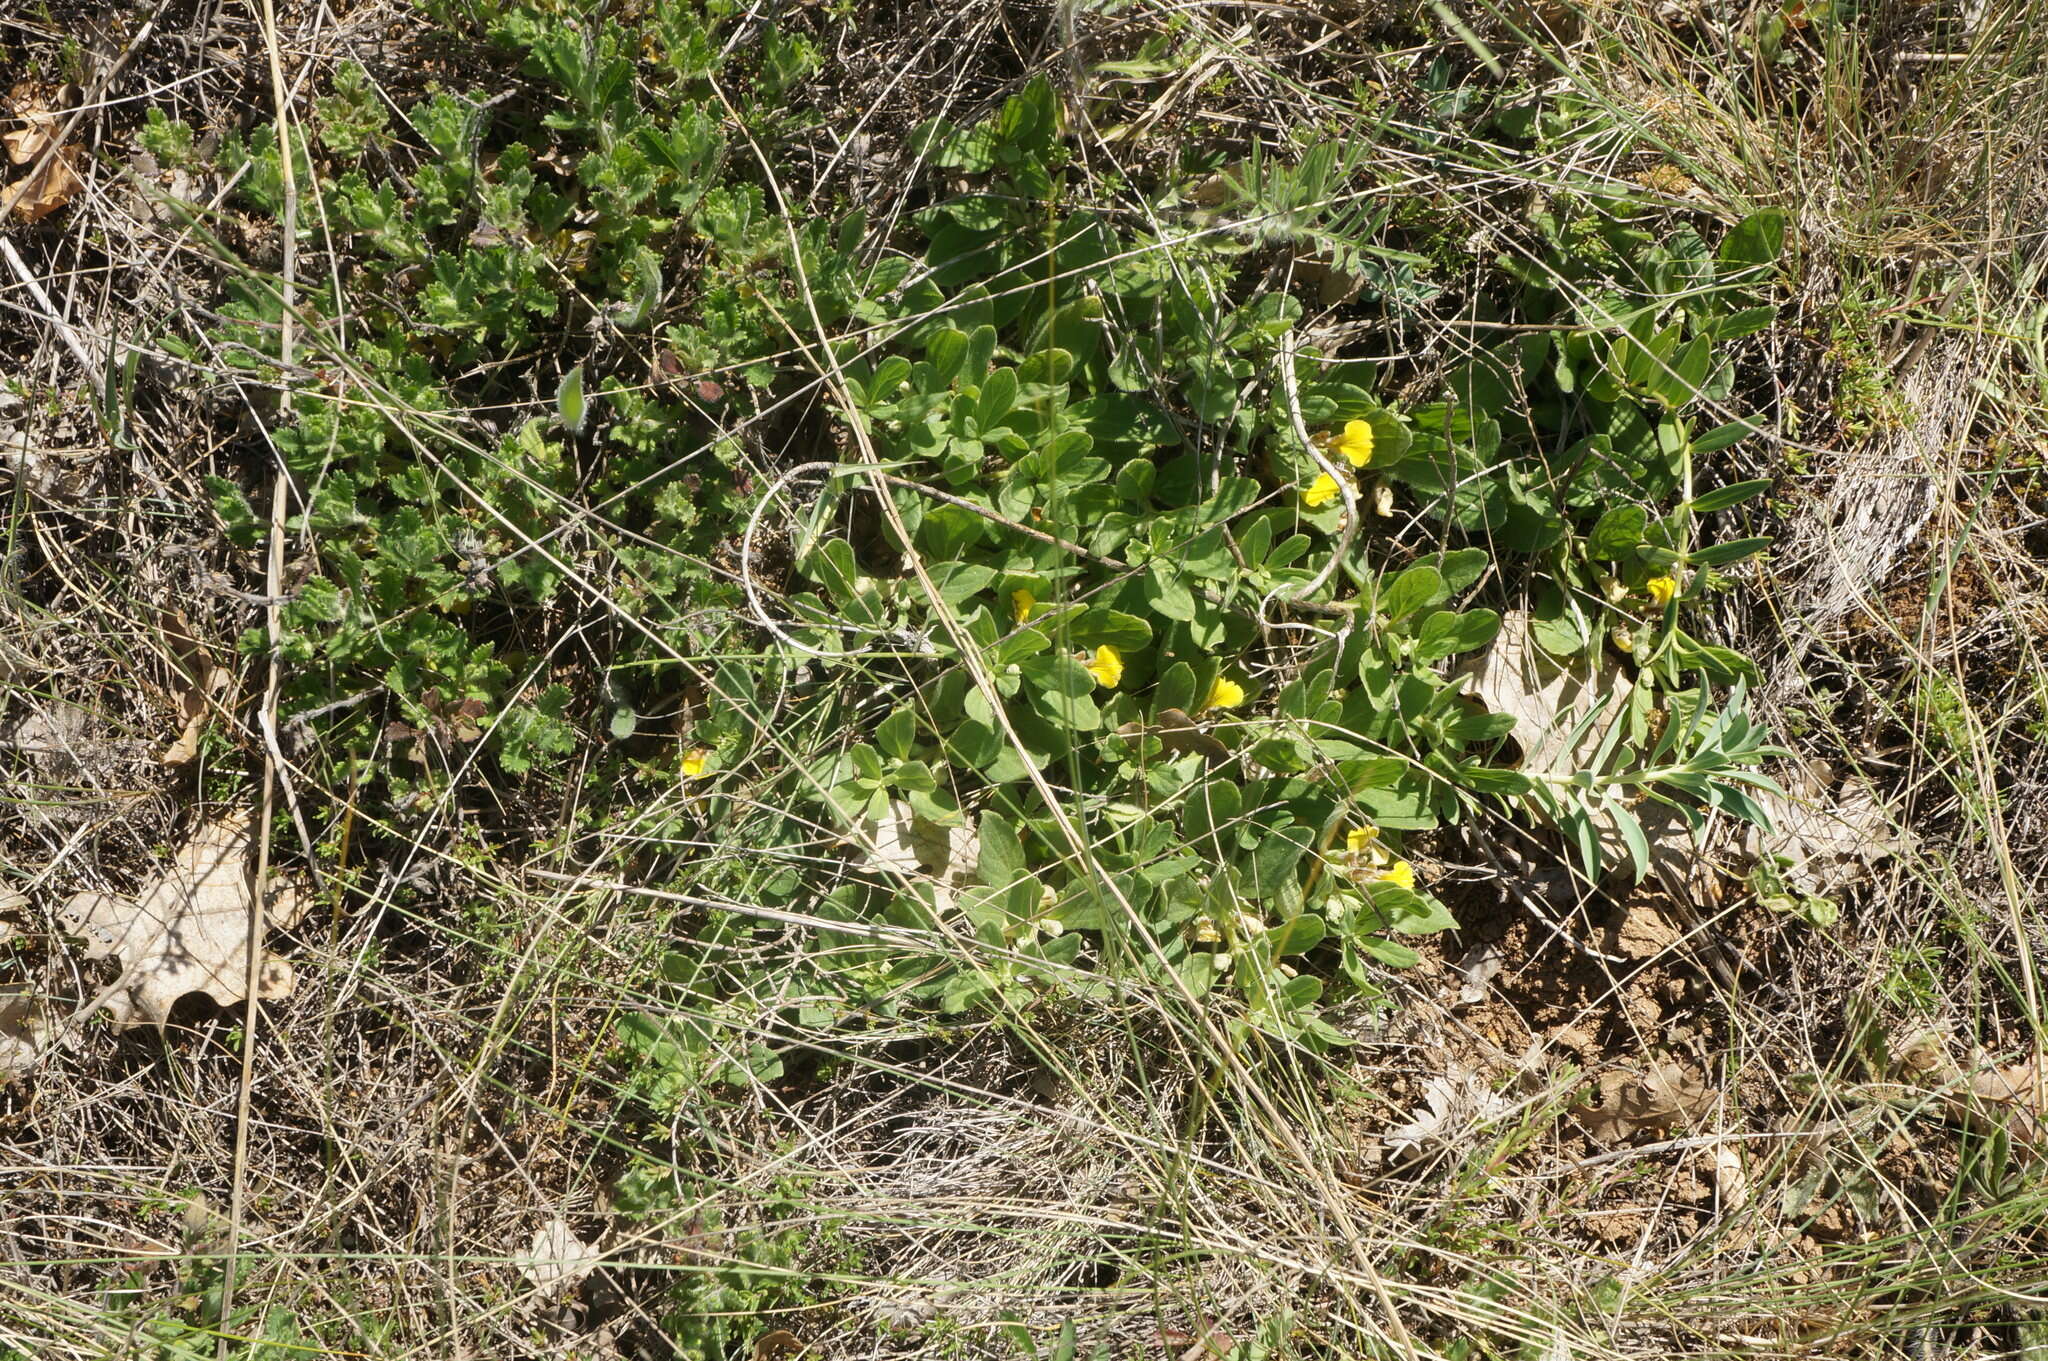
557	1259
1457	1103
1548	699
1662	1095
1830	837
44	190
2013	1096
1551	702
189	932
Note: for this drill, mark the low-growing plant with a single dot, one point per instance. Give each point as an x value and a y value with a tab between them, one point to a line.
1085	563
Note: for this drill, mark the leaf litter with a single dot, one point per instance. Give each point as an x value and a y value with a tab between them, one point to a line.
187	932
53	179
1564	712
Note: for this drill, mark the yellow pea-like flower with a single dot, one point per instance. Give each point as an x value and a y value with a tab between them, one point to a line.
695	762
1661	589
1355	443
1022	603
1224	694
1360	839
1107	666
1320	492
1400	874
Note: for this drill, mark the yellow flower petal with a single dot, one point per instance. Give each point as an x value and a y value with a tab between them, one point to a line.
1661	589
1022	603
1400	874
694	762
1359	838
1107	667
1356	443
1224	694
1322	491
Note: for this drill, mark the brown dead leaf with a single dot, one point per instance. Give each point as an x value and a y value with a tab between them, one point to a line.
1829	836
35	105
2016	1097
1178	735
1661	1096
189	932
43	191
198	680
778	1344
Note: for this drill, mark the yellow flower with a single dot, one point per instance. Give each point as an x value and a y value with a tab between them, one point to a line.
1661	589
694	762
1400	874
1360	838
1224	694
1108	666
1022	603
1320	492
1355	443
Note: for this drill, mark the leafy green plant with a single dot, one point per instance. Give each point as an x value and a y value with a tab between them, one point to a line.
1116	469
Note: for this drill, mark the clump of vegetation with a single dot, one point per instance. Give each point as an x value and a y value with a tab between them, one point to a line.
839	624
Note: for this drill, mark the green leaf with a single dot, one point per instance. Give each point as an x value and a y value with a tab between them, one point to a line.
569	401
1489	780
1734	494
998	398
957	581
1757	240
1617	533
1461	568
1001	860
1721	437
1412	914
897	734
1446	634
1736	325
1417	588
1098	624
947	353
1479	727
1165	593
1299	936
1720	554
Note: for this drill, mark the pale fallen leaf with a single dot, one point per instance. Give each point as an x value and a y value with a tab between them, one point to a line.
189	931
916	849
1549	702
1547	698
1476	968
1830	837
2016	1093
1654	1100
1731	1182
1455	1104
25	1033
557	1258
